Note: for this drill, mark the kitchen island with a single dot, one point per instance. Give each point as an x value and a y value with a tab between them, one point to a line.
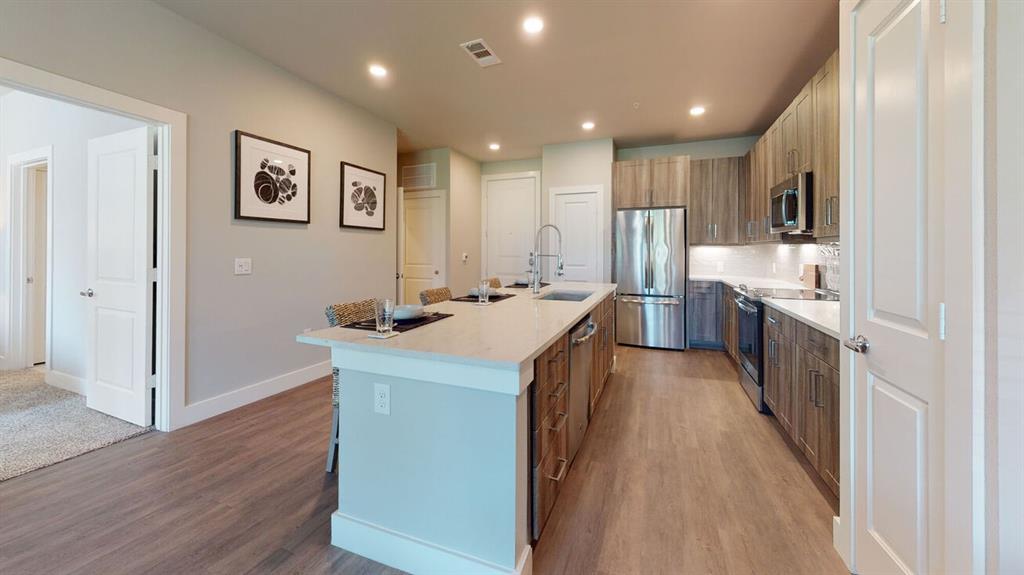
440	483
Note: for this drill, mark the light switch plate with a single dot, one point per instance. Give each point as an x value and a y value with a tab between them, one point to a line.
243	266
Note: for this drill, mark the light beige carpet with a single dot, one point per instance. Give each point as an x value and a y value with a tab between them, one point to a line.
41	425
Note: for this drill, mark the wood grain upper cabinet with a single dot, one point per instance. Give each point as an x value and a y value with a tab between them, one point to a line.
631	183
670	181
657	183
826	149
714	201
802	156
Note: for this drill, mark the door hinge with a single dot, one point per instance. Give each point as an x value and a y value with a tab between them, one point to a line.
942	11
151	382
154	162
942	321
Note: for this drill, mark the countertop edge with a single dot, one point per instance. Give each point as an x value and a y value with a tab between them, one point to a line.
775	304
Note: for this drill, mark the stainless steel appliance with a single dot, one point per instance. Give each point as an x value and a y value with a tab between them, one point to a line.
650	270
749	315
792	209
787	293
581	354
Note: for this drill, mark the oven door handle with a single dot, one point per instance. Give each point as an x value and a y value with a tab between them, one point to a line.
745	306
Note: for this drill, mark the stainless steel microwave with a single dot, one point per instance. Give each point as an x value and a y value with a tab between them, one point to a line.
792	205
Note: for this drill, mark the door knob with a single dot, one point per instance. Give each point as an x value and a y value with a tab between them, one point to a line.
30	280
857	344
436	272
86	293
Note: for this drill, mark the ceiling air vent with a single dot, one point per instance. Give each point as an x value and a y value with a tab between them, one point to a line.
419	177
481	52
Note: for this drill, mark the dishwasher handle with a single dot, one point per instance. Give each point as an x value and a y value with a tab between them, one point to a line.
591	328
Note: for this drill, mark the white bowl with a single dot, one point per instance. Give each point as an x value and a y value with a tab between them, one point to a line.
411	311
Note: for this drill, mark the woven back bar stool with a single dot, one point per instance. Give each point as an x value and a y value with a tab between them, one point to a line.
341	314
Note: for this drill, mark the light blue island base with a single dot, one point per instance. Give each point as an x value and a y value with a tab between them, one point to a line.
440	484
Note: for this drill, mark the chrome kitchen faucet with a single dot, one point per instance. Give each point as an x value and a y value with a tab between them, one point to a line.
535	257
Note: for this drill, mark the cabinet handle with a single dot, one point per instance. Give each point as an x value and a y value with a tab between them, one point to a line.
563	417
715	228
828	211
557	394
772	320
558	477
810	387
818	401
750	232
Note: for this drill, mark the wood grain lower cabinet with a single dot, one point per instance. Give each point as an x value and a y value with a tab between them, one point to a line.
808	415
604	348
801	387
548	426
704	314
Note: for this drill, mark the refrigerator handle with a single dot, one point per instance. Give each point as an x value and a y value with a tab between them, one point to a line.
647	251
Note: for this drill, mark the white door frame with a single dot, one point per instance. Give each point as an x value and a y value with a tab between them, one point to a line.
172	145
601	231
963	112
488	178
20	329
400	251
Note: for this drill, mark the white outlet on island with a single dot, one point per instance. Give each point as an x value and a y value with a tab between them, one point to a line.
382	398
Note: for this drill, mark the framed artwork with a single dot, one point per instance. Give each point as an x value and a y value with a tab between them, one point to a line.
271	180
362	197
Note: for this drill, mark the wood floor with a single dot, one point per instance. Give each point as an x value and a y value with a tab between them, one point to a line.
677	474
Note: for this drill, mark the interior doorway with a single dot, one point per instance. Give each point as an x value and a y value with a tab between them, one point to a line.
423	243
510	218
78	278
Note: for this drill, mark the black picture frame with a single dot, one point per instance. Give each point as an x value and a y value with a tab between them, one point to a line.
239	215
346	198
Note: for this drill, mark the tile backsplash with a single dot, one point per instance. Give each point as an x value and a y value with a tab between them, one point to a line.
777	261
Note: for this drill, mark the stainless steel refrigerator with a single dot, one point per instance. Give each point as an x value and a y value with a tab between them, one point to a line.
651	270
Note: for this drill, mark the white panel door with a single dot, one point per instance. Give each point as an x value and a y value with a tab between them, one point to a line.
36	259
119	290
897	261
425	242
510	222
577	213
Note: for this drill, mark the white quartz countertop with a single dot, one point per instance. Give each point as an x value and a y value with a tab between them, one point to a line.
505	334
822	315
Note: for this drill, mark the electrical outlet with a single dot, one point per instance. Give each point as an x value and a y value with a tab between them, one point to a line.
382	398
243	266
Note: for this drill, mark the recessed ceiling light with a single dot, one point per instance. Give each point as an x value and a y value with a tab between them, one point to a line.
378	70
696	110
533	25
495	146
588	126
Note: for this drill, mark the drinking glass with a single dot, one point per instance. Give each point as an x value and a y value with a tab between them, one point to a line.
385	309
483	291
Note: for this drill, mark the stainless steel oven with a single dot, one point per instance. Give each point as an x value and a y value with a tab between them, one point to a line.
792	209
749	314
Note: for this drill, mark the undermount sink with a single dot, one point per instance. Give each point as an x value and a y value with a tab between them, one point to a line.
562	295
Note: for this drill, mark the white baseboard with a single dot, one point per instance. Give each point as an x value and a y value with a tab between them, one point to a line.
71	383
412	554
207	408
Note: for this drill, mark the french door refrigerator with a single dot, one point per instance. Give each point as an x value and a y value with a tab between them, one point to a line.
650	268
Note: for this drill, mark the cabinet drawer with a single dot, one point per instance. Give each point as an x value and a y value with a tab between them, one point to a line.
550	380
780	321
547	480
553	423
822	345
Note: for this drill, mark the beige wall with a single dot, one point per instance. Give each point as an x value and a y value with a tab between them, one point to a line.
464	218
511	166
441	157
241	329
577	164
702	150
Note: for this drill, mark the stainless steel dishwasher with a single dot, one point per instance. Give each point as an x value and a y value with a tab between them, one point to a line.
581	364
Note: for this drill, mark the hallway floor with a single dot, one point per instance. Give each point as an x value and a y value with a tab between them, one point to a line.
678	474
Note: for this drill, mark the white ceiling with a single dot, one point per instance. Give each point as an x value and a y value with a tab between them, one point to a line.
742	59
